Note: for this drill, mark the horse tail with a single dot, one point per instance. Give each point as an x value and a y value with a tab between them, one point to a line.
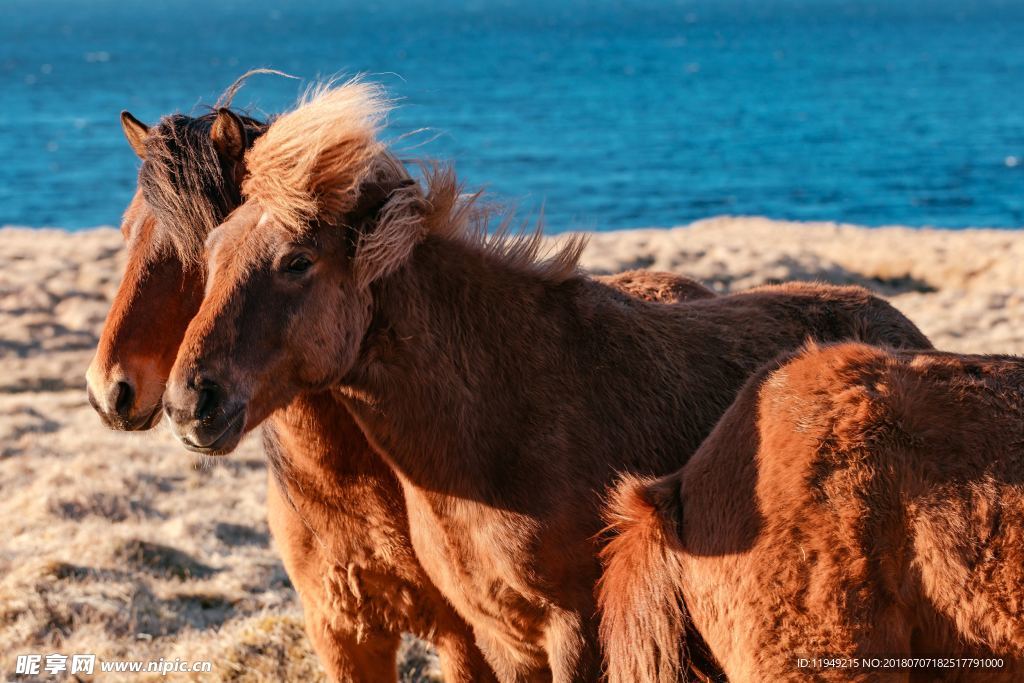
645	630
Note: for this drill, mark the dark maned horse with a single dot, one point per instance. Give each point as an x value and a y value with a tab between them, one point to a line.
338	517
853	503
506	392
190	178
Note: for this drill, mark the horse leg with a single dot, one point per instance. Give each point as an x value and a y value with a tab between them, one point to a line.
344	655
348	659
570	645
510	666
461	660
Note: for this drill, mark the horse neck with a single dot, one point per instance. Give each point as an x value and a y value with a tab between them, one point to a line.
316	449
448	326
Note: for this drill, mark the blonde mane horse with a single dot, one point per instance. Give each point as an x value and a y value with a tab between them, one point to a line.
332	503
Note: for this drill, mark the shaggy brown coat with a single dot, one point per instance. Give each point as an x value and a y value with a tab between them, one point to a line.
506	392
335	510
852	503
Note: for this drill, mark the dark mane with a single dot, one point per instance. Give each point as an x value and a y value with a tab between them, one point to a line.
186	184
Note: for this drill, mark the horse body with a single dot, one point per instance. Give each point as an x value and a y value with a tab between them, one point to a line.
338	516
852	503
504	484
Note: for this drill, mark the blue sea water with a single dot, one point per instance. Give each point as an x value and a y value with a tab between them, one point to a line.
609	114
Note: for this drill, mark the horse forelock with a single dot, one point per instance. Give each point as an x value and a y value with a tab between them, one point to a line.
311	161
185	183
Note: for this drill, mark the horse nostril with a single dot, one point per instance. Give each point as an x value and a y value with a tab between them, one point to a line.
208	401
124	398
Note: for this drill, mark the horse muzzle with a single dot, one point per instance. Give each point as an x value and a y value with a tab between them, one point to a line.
204	419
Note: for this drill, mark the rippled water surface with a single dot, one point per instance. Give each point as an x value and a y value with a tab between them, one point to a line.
609	115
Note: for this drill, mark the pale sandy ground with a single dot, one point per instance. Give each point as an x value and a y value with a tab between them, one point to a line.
126	547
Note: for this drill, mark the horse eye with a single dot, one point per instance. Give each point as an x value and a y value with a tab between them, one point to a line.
299	264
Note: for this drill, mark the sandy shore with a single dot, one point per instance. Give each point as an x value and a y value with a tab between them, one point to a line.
126	547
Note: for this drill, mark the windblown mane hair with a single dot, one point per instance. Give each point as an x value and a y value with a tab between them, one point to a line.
313	163
454	215
185	182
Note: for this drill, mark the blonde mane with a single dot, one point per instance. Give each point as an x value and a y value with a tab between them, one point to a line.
313	162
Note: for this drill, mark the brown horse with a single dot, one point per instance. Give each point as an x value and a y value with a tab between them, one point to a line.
506	392
853	503
338	516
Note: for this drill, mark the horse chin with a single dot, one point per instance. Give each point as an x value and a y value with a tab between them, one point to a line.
150	420
214	441
139	423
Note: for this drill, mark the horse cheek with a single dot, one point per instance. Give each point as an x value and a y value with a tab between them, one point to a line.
352	323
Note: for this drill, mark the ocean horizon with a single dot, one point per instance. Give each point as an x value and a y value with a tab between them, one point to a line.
605	116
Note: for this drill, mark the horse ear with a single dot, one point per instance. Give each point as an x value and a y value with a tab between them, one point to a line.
382	247
136	132
229	136
373	196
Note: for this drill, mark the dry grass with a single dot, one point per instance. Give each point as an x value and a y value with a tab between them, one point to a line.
126	547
